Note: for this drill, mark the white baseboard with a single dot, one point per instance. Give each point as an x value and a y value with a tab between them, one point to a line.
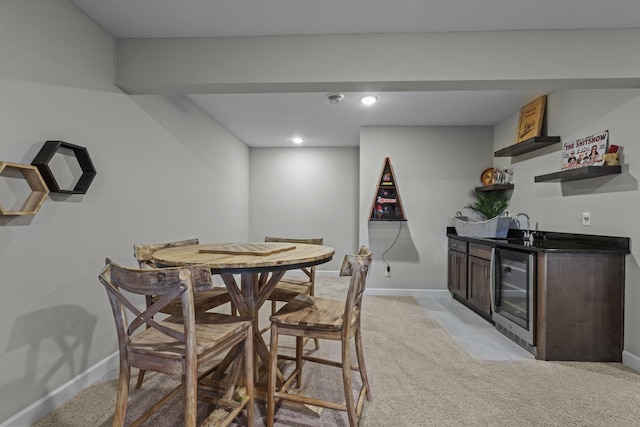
631	360
385	291
62	394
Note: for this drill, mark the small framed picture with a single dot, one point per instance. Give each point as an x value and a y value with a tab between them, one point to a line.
531	118
587	151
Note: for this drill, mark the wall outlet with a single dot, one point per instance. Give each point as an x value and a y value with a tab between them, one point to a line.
387	272
586	218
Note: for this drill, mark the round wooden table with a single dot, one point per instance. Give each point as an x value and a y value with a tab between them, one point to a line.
260	265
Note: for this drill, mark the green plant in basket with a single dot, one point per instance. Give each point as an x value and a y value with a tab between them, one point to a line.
489	204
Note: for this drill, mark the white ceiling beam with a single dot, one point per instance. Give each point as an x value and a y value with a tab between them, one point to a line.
541	59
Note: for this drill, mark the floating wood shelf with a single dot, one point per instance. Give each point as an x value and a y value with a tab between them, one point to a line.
580	173
527	146
38	187
46	153
387	205
494	187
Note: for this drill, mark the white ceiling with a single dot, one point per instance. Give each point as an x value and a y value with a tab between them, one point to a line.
270	120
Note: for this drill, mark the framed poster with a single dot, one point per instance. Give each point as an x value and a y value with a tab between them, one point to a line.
585	151
531	118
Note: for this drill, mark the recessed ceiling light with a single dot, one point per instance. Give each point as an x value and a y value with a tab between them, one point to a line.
369	99
297	140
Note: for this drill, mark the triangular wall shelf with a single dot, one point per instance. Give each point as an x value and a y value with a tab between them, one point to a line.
387	205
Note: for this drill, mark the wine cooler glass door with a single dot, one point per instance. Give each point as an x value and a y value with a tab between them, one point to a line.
514	292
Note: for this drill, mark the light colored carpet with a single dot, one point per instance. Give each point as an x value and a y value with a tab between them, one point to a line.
419	377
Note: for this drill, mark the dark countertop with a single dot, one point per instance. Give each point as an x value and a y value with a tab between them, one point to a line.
549	241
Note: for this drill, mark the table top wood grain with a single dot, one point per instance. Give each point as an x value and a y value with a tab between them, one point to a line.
213	255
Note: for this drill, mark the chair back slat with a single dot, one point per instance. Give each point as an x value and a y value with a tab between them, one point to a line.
144	255
310	272
350	259
157	281
313	241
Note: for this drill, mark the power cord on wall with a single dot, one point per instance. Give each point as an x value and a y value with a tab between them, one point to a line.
387	266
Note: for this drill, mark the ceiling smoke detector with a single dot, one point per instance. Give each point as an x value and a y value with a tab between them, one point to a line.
335	98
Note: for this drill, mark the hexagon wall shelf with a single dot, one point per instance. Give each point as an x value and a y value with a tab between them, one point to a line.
46	153
38	187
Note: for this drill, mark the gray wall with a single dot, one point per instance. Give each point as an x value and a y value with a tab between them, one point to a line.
306	192
166	171
435	169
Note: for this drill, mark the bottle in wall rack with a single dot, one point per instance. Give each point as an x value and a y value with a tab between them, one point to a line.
387	205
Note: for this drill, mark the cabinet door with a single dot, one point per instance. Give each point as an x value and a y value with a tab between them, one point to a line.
457	273
479	292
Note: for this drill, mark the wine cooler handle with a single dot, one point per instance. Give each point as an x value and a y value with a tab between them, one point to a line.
492	278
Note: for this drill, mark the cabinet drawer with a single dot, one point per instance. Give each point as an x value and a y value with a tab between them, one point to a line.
458	245
480	251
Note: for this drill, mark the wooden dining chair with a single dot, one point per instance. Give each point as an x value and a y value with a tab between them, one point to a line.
290	286
203	301
310	316
188	344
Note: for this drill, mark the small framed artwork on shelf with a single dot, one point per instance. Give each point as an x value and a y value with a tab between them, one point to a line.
531	119
587	151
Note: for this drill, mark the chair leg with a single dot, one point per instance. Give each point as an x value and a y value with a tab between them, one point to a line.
273	366
312	292
299	351
248	362
140	378
346	380
190	382
123	393
361	366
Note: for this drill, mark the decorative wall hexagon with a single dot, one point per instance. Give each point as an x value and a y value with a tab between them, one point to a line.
46	153
38	187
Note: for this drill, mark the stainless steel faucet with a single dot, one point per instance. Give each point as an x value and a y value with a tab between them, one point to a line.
527	233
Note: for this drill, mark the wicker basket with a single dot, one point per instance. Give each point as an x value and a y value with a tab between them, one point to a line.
494	227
